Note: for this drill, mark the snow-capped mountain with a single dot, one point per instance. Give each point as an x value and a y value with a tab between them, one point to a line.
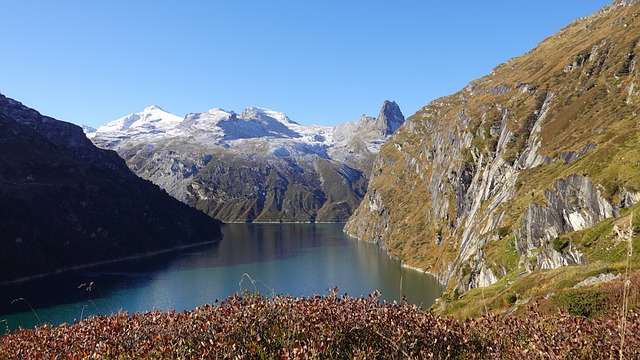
152	120
255	166
214	127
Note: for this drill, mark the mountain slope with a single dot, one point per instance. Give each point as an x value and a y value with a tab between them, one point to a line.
499	179
64	202
254	166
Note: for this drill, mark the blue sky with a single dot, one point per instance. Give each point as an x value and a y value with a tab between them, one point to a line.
321	62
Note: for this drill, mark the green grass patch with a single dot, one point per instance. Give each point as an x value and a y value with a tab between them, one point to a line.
502	252
537	286
581	302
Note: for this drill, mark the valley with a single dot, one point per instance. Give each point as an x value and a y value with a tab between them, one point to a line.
510	208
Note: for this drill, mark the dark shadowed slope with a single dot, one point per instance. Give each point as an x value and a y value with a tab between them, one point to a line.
65	203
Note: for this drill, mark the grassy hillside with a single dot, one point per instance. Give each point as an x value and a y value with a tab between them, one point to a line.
532	167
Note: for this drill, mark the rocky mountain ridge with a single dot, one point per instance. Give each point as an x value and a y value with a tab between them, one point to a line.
255	166
503	177
65	203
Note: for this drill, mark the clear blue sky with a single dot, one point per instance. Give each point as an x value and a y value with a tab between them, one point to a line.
321	62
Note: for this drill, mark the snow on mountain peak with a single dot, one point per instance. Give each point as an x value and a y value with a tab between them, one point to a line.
206	121
259	113
151	108
151	119
220	111
255	125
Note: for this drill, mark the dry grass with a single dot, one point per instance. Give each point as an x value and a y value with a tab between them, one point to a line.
324	327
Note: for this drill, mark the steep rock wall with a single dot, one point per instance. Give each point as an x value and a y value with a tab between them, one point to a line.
480	183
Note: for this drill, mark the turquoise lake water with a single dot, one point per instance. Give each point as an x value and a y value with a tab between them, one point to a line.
293	259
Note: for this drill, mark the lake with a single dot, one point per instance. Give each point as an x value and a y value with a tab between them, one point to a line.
293	259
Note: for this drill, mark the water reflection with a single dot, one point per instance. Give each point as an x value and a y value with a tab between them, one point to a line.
295	259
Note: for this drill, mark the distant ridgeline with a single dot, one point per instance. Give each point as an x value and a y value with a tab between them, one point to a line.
66	203
256	166
534	166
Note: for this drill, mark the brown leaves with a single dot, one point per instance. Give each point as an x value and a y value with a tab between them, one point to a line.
323	327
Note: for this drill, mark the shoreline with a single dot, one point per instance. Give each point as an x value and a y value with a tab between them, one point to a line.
107	262
152	253
402	263
283	222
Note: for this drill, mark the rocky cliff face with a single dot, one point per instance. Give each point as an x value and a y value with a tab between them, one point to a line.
487	181
64	202
357	143
254	166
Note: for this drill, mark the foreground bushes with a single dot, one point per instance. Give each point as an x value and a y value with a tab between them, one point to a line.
324	327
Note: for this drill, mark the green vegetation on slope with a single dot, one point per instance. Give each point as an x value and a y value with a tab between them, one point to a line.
451	189
237	188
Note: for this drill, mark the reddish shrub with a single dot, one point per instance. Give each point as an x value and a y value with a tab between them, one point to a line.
325	327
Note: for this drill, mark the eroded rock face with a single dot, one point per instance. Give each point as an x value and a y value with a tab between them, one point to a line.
464	187
573	204
480	183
